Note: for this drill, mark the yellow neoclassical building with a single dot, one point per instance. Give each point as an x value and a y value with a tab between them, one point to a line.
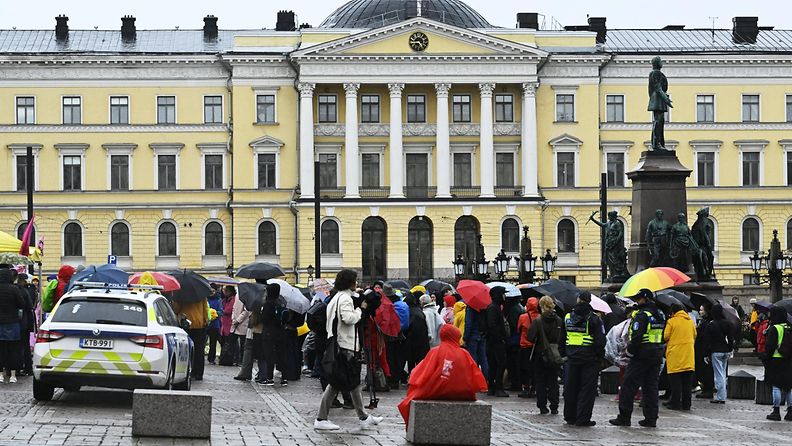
431	126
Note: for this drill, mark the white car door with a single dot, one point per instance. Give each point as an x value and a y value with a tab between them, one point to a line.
178	340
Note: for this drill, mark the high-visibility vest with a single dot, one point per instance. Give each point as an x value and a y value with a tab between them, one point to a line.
654	332
780	328
577	336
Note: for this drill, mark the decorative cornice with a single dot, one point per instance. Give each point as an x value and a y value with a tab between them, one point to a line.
266	141
700	126
486	89
329	130
565	140
395	90
73	147
112	128
214	148
442	89
364	129
415	129
507	129
21	146
166	148
371	129
306	89
529	88
464	129
119	148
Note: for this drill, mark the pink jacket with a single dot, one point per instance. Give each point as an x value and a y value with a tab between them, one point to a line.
226	318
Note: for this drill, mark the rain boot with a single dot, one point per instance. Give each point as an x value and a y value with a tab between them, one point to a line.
788	416
775	415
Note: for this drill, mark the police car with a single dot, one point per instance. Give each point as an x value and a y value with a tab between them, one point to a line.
102	336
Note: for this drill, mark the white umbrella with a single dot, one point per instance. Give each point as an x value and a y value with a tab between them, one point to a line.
600	305
295	300
511	289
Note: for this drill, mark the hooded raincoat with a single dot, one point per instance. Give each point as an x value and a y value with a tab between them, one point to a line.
460	308
680	338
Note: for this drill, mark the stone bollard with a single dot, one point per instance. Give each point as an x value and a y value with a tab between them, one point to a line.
609	381
741	386
764	393
460	422
171	413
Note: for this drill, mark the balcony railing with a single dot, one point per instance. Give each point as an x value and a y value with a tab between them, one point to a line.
420	191
365	192
383	192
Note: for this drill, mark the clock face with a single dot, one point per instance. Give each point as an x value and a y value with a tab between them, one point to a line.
419	41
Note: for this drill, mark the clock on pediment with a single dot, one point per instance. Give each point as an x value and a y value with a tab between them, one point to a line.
419	41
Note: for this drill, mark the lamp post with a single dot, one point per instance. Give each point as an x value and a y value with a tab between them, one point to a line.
526	260
548	264
482	267
459	267
776	264
310	270
502	265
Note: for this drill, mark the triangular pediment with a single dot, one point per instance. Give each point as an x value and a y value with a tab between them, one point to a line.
565	140
266	141
443	41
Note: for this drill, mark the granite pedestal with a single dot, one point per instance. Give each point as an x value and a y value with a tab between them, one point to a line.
764	393
741	386
609	381
173	414
461	422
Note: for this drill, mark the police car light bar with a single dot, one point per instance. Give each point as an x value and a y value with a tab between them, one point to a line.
116	286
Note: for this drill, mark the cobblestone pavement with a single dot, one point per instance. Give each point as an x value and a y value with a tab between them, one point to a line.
249	414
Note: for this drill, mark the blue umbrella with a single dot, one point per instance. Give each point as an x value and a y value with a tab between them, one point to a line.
110	274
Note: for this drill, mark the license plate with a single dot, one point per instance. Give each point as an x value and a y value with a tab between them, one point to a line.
105	344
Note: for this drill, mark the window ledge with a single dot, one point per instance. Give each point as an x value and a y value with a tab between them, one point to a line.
265	124
214	262
166	262
74	261
269	258
567	259
332	260
124	262
565	122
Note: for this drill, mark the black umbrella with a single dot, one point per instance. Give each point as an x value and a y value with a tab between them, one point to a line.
666	300
251	295
678	295
565	293
194	287
260	270
698	300
435	286
785	304
763	306
398	284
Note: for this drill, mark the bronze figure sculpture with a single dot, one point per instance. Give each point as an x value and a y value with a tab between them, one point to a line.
659	103
615	253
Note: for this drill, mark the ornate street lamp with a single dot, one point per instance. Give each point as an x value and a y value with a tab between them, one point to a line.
776	263
459	267
502	265
310	270
548	264
482	267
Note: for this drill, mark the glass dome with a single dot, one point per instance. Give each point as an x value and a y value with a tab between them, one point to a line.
376	13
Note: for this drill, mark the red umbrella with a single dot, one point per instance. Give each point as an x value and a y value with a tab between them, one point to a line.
168	282
475	294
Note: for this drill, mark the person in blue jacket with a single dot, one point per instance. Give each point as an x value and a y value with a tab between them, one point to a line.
213	331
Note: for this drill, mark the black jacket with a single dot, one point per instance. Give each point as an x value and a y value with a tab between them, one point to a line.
11	299
272	326
550	324
640	324
496	325
28	315
717	336
582	354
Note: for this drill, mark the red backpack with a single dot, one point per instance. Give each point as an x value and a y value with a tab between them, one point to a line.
761	336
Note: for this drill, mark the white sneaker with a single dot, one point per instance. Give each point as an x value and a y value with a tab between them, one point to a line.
2	378
325	425
371	421
12	380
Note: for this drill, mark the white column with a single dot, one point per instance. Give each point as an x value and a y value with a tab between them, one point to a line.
487	164
306	140
396	141
351	154
530	159
443	143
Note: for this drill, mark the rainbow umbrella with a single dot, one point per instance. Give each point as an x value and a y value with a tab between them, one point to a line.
653	279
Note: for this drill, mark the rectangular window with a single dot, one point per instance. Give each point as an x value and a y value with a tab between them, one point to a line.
119	110
614	108
328	170
565	107
705	169
166	172
416	108
265	108
705	108
166	110
461	107
504	170
119	172
416	166
370	170
504	108
750	279
266	171
789	175
213	109
72	172
213	172
370	108
462	169
26	110
566	169
750	108
750	168
328	108
72	110
615	169
789	108
21	172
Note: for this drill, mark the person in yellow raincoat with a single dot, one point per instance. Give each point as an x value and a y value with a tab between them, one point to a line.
680	336
459	319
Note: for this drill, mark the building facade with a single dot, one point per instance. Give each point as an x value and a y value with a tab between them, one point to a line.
431	127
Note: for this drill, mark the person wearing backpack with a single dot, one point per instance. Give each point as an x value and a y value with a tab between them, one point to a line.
779	361
544	334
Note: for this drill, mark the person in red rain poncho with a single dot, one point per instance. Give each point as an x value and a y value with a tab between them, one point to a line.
448	372
387	324
65	274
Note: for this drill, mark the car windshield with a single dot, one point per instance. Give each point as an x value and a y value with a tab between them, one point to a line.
102	311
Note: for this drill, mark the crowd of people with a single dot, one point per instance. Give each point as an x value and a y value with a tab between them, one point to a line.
18	300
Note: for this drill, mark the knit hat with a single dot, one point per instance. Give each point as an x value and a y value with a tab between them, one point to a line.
425	300
420	288
585	296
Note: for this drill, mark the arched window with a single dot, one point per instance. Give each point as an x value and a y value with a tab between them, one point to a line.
330	242
466	232
72	240
420	257
213	239
789	234
750	235
510	235
119	239
166	235
374	243
267	238
566	235
21	233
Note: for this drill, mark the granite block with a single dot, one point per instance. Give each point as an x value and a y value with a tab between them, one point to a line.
764	393
741	386
461	423
609	381
171	413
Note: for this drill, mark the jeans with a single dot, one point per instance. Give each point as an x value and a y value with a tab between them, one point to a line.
478	350
779	394
720	362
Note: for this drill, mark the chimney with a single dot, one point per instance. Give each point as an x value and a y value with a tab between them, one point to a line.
128	31
745	29
286	21
210	27
61	28
528	20
597	24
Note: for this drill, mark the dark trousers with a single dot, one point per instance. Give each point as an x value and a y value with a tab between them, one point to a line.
478	350
546	383
643	373
681	384
26	358
580	389
198	336
705	375
238	344
274	355
214	337
513	367
9	355
527	369
496	359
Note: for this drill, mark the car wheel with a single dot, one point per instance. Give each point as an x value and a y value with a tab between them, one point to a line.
42	391
187	383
